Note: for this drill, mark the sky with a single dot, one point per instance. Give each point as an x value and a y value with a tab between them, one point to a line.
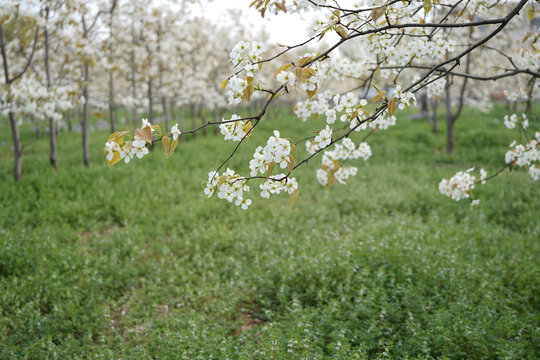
285	29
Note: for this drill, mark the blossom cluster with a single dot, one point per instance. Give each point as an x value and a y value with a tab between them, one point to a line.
307	78
316	107
405	99
235	89
525	155
332	169
247	55
229	186
461	185
234	130
116	149
511	121
277	151
322	140
436	88
277	184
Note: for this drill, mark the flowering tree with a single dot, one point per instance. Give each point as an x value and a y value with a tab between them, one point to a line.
435	37
19	33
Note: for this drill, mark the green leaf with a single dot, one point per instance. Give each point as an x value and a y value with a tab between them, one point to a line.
427	6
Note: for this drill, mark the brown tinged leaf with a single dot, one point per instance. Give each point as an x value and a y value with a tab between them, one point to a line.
248	91
145	134
298	73
331	178
340	29
221	181
166	142
290	163
281	6
312	93
118	137
116	158
377	12
378	97
293	151
247	129
282	68
303	61
173	146
270	169
294	197
391	107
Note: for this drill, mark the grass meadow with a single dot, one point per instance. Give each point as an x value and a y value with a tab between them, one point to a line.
134	262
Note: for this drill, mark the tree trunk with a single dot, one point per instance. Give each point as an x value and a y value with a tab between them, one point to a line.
52	142
181	123
435	116
424	111
165	112
112	114
150	102
69	123
52	125
134	96
84	124
17	150
150	107
449	121
528	107
203	120
37	126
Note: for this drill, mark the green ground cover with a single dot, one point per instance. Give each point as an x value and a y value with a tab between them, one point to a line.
134	262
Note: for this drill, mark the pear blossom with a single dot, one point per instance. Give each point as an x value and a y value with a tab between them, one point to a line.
286	78
139	148
175	132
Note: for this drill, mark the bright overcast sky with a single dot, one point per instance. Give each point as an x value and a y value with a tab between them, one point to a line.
286	29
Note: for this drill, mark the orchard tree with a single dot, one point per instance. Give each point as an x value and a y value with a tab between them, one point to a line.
19	32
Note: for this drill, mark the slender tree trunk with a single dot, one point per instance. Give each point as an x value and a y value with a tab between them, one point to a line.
84	124
424	109
528	107
165	112
17	149
435	116
52	142
69	122
112	114
181	123
37	127
150	102
203	120
52	125
449	120
134	96
150	106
